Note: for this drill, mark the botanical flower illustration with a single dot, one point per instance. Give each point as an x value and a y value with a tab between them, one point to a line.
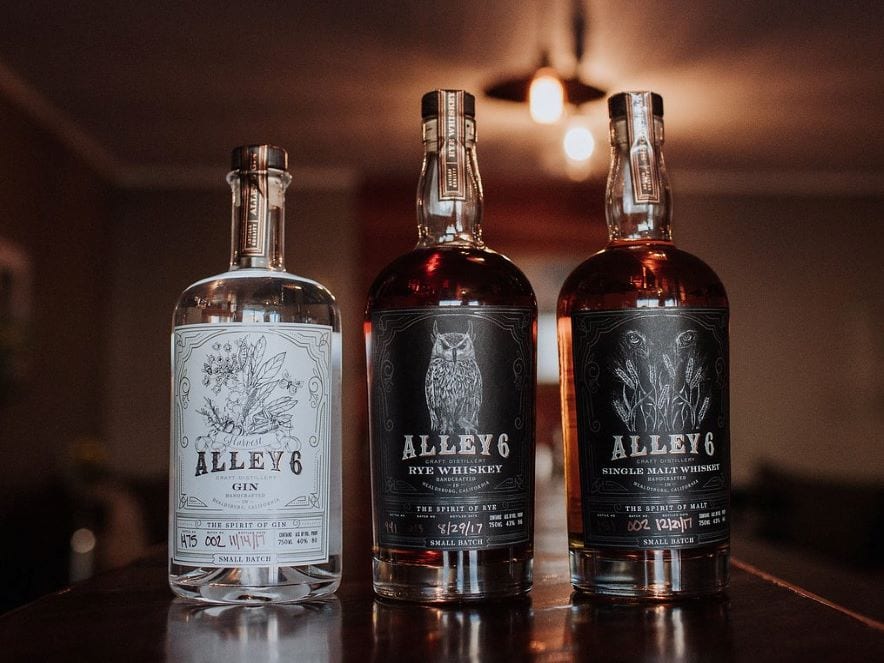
252	398
660	388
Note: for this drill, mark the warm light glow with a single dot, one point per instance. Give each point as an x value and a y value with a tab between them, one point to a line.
546	97
82	541
578	143
547	349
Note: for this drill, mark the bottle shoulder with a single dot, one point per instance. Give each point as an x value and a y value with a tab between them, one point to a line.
238	277
256	295
642	274
260	281
429	276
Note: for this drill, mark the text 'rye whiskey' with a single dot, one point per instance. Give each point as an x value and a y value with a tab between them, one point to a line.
450	332
255	479
643	351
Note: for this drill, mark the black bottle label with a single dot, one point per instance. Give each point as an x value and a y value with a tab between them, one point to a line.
652	419
452	418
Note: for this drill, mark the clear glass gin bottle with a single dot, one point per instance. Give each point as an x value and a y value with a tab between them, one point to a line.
255	487
450	340
643	352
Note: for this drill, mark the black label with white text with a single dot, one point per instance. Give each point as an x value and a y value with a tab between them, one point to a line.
652	417
452	416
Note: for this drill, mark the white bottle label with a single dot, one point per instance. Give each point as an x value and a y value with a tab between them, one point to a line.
250	444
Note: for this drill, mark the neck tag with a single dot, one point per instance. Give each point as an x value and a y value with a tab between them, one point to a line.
253	194
451	136
646	185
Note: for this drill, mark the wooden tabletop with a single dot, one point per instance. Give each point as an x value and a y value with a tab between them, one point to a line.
130	615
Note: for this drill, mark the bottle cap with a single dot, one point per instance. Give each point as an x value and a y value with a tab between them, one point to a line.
429	108
617	104
259	157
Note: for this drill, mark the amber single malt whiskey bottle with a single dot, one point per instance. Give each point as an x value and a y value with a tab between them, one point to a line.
643	351
450	332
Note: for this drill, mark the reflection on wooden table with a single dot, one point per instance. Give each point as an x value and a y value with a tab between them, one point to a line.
130	615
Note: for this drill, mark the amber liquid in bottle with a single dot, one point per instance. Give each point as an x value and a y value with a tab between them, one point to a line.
450	268
639	268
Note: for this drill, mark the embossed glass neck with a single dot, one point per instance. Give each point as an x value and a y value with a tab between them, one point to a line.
258	222
449	222
629	220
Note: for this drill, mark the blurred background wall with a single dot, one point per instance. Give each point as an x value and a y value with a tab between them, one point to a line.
54	230
97	241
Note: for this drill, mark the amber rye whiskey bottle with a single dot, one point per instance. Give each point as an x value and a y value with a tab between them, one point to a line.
450	332
643	351
255	479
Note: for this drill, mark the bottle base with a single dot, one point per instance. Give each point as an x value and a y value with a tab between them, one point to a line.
650	575
456	582
256	585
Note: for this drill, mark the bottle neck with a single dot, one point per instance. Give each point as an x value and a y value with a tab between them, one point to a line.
258	222
638	199
449	194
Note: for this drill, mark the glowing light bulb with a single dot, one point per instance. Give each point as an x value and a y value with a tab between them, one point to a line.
546	97
578	143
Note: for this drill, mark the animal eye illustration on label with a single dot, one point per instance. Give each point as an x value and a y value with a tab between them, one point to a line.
658	387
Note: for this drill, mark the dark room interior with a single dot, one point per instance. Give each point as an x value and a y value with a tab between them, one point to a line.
117	121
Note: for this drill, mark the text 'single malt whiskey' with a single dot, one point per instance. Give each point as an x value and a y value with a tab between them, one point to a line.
643	352
450	332
255	488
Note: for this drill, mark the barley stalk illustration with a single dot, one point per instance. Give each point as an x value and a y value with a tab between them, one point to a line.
623	376
664	397
631	368
703	410
661	389
697	377
670	368
621	411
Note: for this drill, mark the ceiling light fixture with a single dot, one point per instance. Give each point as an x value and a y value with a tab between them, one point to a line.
546	96
546	92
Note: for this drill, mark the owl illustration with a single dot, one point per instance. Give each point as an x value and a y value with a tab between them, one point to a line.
453	385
